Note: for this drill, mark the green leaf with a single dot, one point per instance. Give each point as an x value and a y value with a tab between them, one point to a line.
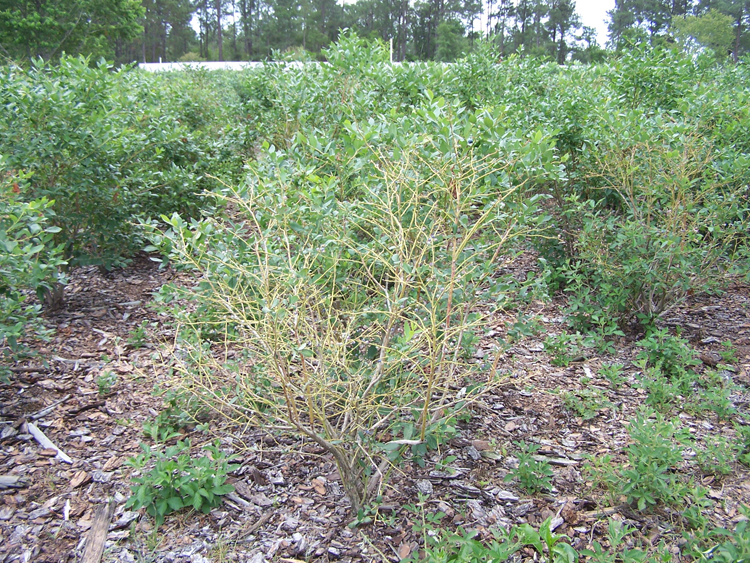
175	503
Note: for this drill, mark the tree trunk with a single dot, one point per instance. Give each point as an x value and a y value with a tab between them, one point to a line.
204	28
234	29
246	12
164	41
736	50
218	30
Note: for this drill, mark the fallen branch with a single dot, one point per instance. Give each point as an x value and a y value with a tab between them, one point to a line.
79	410
28	369
556	460
600	513
46	410
252	529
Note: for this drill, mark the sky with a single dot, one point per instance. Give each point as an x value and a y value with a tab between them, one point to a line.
593	13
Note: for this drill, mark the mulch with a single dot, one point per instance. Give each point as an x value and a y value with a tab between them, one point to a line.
288	504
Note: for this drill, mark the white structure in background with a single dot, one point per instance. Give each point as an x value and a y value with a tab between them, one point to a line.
228	65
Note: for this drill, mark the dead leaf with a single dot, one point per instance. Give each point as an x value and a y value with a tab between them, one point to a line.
569	513
481	445
319	486
404	550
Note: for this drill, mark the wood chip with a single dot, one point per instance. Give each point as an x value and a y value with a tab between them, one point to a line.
481	445
80	478
556	460
14	481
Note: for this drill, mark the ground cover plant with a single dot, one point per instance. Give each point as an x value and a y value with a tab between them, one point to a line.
440	312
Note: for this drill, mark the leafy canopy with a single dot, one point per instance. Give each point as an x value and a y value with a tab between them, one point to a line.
47	28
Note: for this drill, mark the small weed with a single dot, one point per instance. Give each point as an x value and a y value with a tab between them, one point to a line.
533	475
366	515
663	393
469	343
729	353
671	354
524	326
613	374
437	434
444	464
441	545
655	452
736	549
426	522
586	402
717	457
179	481
742	442
564	348
598	470
159	432
616	534
713	394
693	514
105	382
138	336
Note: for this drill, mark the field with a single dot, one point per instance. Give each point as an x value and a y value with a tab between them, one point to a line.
495	310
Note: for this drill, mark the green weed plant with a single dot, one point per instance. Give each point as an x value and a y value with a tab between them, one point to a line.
533	475
178	481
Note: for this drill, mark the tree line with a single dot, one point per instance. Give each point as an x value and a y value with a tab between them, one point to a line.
442	30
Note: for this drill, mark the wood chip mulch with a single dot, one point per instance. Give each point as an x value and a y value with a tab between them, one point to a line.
288	504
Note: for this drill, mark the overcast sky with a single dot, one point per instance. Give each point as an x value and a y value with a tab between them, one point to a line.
593	13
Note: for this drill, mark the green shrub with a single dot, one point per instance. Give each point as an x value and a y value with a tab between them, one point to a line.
652	78
106	148
651	212
29	260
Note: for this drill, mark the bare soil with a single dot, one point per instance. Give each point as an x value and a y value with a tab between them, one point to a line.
288	504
